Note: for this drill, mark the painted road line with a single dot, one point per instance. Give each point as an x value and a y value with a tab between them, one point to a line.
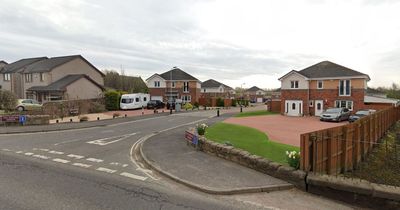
56	152
125	165
19	152
60	160
133	176
81	165
75	156
110	140
41	157
107	170
94	160
6	150
73	140
44	150
28	153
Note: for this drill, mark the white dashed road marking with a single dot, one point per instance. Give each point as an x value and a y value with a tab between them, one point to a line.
44	150
133	176
107	170
60	160
56	152
75	156
6	150
28	153
95	160
19	152
41	157
81	165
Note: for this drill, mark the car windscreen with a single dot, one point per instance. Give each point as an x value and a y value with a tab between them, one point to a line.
334	110
362	112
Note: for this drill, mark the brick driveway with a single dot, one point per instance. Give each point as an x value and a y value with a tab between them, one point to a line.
283	129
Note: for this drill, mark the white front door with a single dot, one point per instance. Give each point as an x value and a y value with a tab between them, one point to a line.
294	107
319	107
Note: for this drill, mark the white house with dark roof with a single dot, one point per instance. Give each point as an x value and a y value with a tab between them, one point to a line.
56	78
255	94
213	88
174	84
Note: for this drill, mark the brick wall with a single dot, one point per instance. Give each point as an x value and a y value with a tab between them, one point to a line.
193	92
295	95
274	106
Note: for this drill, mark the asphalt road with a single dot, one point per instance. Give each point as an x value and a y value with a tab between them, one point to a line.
92	168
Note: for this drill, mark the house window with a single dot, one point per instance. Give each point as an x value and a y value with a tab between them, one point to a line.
293	106
173	84
311	103
28	78
186	98
344	104
7	77
344	88
204	90
294	84
156	83
320	85
185	87
41	77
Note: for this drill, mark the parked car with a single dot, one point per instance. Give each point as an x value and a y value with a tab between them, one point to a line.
28	104
170	104
361	113
335	114
155	104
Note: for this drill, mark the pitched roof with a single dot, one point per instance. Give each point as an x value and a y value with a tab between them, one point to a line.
62	83
212	84
254	88
3	62
327	69
51	63
177	74
20	64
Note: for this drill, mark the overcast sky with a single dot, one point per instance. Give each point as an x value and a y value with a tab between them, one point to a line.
235	42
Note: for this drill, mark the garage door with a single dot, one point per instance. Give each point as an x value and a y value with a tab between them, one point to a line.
294	107
156	98
259	100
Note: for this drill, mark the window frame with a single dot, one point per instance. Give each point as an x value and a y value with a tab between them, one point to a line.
322	84
186	87
349	104
28	77
345	87
157	84
41	76
294	84
6	77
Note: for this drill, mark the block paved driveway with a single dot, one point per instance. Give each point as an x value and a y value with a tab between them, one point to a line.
284	129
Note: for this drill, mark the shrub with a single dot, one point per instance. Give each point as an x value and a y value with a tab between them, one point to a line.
220	102
8	100
293	159
196	105
96	107
234	102
83	118
112	98
201	129
188	106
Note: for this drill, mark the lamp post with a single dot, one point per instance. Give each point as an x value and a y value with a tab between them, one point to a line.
170	91
241	102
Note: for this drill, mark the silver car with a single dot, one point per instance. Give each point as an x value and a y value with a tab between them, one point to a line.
335	114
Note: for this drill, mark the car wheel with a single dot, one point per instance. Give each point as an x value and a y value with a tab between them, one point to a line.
20	108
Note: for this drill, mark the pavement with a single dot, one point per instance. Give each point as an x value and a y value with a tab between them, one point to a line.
169	154
284	129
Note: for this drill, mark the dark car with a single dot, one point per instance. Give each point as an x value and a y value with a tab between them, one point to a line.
335	114
361	113
170	105
155	104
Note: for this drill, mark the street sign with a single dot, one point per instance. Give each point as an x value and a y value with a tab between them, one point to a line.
22	119
10	118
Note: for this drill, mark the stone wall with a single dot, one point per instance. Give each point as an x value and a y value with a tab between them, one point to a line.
37	120
362	192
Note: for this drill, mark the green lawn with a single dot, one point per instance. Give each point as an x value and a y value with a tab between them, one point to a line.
254	113
249	139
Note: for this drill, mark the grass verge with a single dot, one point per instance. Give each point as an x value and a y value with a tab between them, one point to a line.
249	139
254	113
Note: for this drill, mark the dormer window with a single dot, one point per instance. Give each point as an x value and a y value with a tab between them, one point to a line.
294	84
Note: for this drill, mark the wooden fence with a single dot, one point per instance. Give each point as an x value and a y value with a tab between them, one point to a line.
339	149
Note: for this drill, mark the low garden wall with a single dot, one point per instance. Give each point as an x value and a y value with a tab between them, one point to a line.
15	120
358	191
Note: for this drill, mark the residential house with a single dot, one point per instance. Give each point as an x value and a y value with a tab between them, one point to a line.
325	84
56	78
255	94
174	84
2	64
212	88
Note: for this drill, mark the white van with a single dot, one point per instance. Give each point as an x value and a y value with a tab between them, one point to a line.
134	100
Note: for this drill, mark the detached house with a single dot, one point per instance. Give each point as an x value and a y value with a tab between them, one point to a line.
323	85
212	88
174	84
255	94
56	78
